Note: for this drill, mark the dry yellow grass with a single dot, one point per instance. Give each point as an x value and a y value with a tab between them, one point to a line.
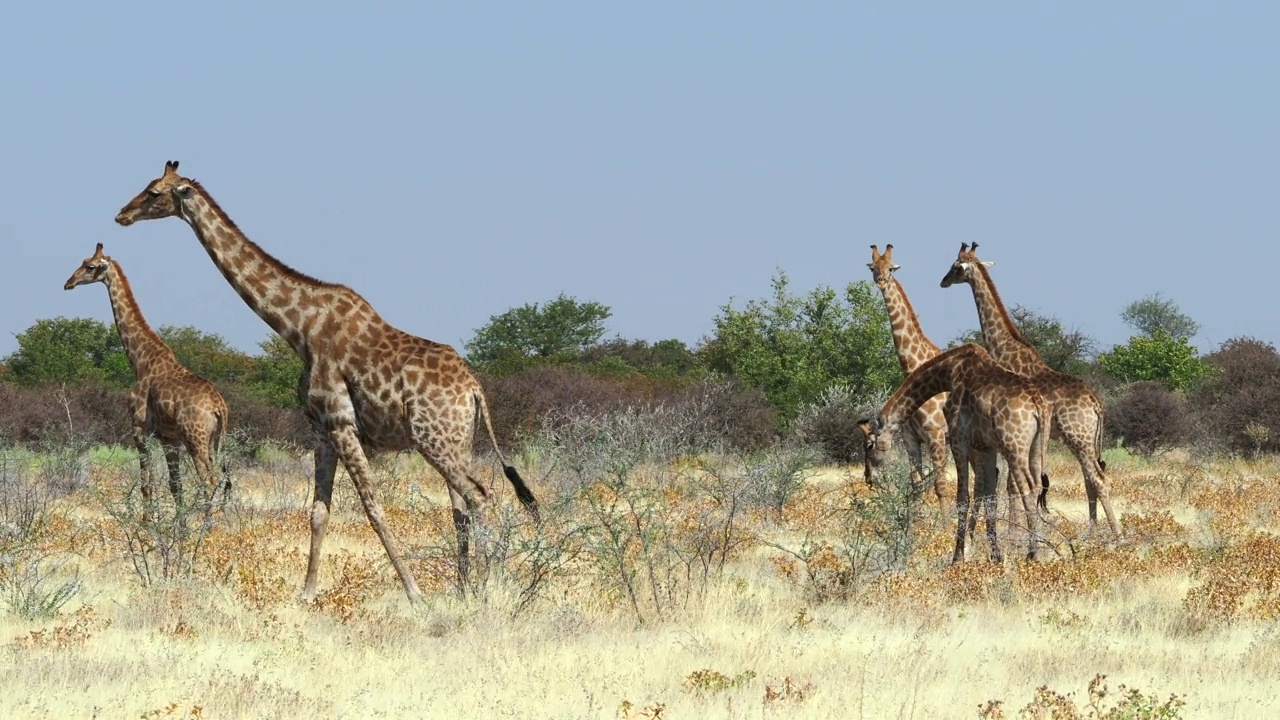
1188	605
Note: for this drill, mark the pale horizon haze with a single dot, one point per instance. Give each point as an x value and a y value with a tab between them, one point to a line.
450	161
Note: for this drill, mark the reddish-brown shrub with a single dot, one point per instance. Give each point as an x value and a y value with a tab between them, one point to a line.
520	403
1149	417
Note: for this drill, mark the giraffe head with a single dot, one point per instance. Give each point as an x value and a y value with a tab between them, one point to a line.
965	268
878	442
882	266
93	269
159	199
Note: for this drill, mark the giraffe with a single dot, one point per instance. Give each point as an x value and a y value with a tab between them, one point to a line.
365	381
991	409
1078	413
168	401
928	426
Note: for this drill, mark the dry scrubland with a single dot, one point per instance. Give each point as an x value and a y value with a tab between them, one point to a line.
660	585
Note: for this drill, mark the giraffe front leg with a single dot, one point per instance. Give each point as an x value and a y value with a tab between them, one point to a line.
961	455
144	469
326	465
347	444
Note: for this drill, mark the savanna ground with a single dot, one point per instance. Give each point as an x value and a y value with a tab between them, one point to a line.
662	583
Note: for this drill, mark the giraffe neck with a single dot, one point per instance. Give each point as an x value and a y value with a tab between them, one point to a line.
269	287
909	340
1006	344
144	348
935	376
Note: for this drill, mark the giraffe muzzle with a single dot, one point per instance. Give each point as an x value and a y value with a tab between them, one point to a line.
124	220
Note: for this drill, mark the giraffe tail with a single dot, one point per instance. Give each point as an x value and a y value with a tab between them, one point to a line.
523	493
225	463
1042	449
1097	438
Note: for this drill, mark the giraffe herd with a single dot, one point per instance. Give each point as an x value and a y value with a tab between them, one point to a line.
1007	401
369	385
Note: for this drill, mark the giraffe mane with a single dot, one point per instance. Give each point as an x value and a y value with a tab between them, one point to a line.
999	303
911	316
140	319
272	259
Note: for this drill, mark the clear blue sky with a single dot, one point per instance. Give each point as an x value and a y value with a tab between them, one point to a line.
451	161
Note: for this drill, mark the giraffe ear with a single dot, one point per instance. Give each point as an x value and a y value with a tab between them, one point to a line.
865	426
871	265
894	267
987	263
182	191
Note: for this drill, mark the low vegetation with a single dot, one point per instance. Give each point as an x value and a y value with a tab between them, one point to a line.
707	547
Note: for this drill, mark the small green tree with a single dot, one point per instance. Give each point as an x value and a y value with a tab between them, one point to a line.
1155	313
69	350
556	331
1160	356
274	375
206	354
793	347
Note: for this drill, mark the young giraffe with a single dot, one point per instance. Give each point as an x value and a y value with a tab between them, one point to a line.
1078	412
169	401
365	381
928	426
992	409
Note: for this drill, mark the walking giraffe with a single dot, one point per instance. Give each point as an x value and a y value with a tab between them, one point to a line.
1078	413
364	381
168	401
991	408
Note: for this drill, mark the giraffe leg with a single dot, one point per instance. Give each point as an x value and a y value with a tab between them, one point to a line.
938	459
326	465
443	437
963	511
1095	484
347	444
988	472
208	477
173	463
1020	482
144	463
463	507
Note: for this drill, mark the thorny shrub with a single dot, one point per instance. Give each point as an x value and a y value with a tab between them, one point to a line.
849	536
1128	704
706	682
831	423
1242	582
658	504
74	631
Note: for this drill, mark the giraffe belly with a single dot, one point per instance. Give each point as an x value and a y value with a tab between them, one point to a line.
382	424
